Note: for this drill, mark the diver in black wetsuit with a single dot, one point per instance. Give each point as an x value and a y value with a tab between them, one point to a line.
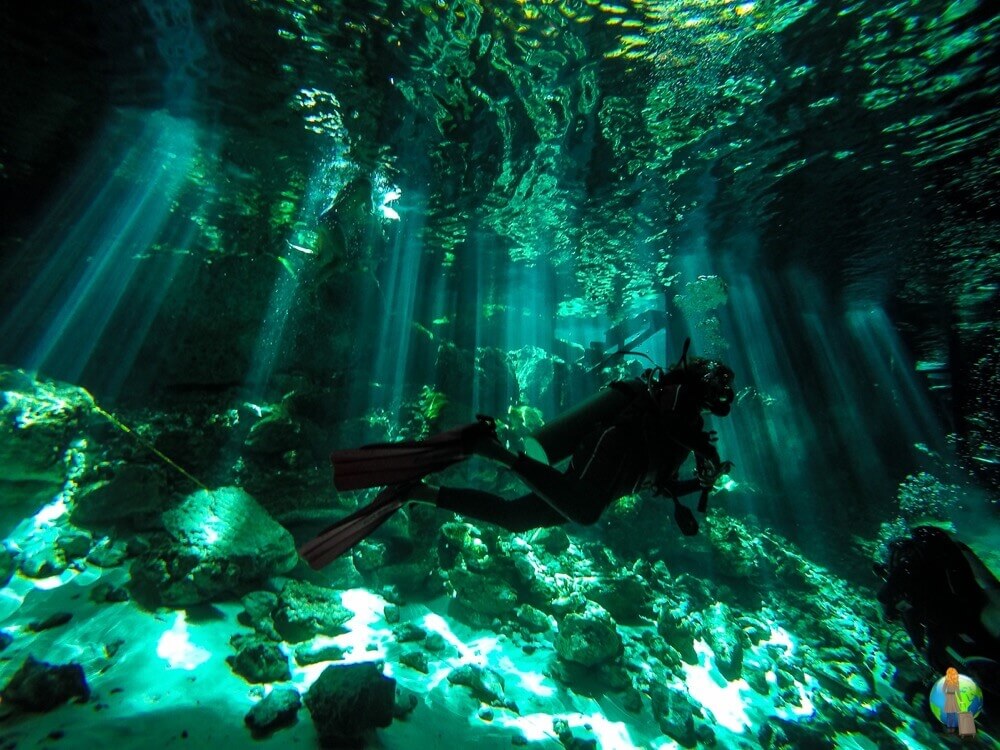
634	435
642	446
948	602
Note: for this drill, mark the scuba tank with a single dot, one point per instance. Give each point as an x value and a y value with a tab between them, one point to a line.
558	439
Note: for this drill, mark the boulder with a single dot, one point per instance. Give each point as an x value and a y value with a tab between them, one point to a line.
279	709
38	686
39	420
485	595
259	661
307	654
220	542
349	700
276	433
486	684
627	597
8	564
305	610
674	712
722	632
589	637
256	614
132	497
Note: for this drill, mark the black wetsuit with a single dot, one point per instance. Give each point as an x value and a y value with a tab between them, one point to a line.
644	446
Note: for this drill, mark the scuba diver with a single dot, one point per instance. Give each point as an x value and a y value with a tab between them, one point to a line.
632	435
948	602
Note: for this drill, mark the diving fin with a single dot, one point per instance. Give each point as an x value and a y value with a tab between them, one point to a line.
408	460
335	540
685	519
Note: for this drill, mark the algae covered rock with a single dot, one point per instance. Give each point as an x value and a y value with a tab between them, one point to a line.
305	610
259	661
7	565
276	433
674	712
627	596
349	700
132	496
39	420
220	542
486	684
722	632
487	595
38	686
589	637
280	708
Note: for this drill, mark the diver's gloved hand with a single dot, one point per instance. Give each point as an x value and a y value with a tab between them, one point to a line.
709	471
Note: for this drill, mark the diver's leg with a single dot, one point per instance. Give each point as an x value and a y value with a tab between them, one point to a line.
522	514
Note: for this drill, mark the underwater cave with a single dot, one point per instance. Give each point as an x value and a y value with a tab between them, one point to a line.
654	345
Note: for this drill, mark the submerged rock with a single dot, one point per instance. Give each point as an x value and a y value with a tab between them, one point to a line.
221	542
486	684
42	562
38	686
588	638
259	661
7	565
626	597
107	553
132	497
482	594
256	614
276	433
305	610
348	701
307	654
39	420
724	636
674	712
279	709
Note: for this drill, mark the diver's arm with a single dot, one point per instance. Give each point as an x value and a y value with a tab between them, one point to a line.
678	487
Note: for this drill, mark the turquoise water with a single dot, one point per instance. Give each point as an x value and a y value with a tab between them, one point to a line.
240	235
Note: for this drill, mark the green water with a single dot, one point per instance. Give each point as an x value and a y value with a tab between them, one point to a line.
241	234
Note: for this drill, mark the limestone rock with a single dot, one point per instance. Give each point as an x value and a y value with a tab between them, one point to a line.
259	661
38	686
7	566
305	610
482	594
279	709
221	542
39	419
131	498
276	433
588	638
726	639
307	654
486	684
107	553
256	614
627	597
349	700
674	712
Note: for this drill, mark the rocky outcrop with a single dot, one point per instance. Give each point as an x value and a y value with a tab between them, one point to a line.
304	610
348	701
588	638
279	709
38	686
220	542
39	420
